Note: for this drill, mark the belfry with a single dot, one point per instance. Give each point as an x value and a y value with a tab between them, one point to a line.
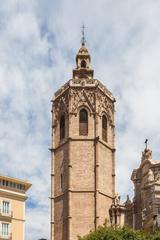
83	153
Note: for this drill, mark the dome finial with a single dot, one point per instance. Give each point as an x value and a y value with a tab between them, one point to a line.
83	40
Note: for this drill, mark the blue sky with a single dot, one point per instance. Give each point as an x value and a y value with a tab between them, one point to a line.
38	43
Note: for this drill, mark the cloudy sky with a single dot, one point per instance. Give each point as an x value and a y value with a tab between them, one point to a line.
38	43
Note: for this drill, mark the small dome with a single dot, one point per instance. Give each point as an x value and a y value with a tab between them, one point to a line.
83	60
83	51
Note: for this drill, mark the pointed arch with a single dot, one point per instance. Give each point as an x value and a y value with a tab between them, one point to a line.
83	64
62	127
104	128
83	122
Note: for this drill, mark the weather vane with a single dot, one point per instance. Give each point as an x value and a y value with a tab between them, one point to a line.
83	40
146	143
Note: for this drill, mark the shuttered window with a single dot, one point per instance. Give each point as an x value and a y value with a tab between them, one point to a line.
104	128
83	122
62	127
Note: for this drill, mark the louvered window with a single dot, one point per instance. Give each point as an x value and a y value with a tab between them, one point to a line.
104	128
62	127
83	122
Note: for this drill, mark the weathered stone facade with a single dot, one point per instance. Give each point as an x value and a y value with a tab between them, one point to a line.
121	214
83	153
144	211
146	202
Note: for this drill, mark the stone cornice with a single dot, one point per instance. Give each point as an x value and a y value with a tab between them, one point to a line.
97	139
83	83
82	191
12	195
15	180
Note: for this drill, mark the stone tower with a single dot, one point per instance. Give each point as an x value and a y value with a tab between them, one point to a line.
83	153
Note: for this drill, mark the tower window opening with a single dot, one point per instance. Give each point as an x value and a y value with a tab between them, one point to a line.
62	127
83	122
83	64
104	128
61	181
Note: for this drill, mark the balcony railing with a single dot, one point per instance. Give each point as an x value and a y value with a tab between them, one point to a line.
5	237
6	214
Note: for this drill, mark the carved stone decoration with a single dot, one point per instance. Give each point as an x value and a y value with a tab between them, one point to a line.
147	154
150	176
144	214
61	106
105	106
117	199
74	96
85	81
104	89
82	97
144	181
128	201
157	178
90	98
62	89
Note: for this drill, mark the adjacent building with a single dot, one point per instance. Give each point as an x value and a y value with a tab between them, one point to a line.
146	201
12	208
121	214
83	153
144	211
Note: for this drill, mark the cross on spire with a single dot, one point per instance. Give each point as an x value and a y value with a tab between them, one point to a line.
146	143
83	40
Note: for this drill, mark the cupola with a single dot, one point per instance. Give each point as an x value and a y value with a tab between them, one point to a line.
83	59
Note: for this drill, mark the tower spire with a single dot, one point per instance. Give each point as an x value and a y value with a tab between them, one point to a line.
83	40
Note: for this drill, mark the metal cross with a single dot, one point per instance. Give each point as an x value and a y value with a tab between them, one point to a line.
83	35
146	143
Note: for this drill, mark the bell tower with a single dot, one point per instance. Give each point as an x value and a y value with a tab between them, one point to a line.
83	153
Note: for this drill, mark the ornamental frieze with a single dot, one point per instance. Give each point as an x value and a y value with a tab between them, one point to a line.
104	105
61	105
83	81
82	97
77	97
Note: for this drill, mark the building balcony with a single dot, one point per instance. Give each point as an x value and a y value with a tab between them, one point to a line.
5	215
5	237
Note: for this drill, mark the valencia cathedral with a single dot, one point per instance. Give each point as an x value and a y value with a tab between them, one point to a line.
83	162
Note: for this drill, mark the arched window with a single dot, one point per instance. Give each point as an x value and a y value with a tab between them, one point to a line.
104	128
83	122
83	64
62	127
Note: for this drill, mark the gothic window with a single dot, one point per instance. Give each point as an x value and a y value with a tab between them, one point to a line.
104	128
83	122
83	64
62	127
